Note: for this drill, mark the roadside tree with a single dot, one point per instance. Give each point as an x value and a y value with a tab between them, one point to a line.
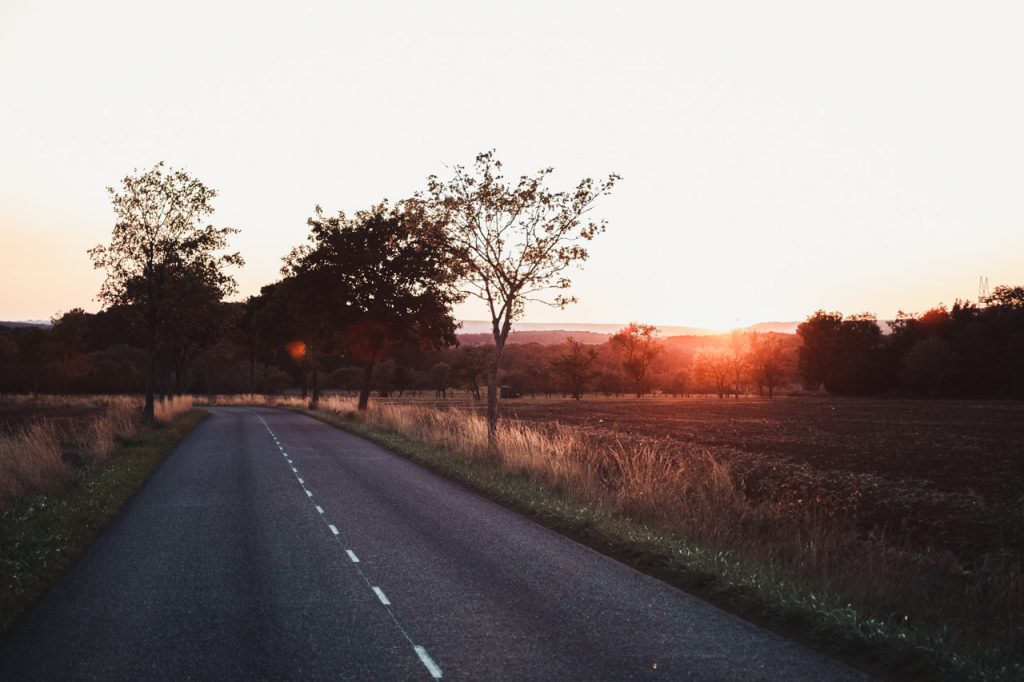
157	241
516	241
381	277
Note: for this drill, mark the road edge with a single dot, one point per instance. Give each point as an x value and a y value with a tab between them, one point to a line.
42	537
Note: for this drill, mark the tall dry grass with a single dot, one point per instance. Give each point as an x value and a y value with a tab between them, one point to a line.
44	452
807	551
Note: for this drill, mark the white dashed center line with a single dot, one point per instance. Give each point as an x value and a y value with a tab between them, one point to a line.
432	668
428	662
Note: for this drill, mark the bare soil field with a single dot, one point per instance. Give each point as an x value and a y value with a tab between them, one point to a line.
934	473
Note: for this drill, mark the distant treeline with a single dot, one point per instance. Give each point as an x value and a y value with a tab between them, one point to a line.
247	347
966	351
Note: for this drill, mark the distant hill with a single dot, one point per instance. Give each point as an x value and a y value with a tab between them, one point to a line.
481	327
28	323
477	331
554	337
777	327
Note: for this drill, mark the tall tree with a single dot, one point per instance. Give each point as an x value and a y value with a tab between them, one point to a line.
383	276
637	346
157	241
516	241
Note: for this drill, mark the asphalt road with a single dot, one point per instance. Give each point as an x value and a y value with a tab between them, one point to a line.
272	546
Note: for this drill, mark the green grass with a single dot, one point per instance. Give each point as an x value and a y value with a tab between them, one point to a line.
890	647
41	537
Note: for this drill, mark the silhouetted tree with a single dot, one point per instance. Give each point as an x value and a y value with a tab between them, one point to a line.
844	354
471	364
929	365
767	362
713	366
576	366
516	241
381	276
738	360
65	347
441	379
156	241
637	346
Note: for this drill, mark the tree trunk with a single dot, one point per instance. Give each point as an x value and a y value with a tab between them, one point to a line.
364	391
500	329
492	400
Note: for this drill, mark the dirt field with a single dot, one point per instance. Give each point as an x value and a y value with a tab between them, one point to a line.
935	473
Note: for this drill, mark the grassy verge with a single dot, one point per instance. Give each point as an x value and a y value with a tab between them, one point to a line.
763	592
41	536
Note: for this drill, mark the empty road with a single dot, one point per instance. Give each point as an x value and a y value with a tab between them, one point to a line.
271	546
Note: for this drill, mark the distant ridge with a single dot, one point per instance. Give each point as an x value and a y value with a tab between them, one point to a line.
481	327
26	323
475	332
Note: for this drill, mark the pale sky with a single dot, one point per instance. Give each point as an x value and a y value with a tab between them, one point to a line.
777	157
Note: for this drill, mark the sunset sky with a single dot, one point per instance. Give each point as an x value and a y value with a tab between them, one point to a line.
777	157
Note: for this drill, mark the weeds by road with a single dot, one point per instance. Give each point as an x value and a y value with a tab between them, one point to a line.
61	508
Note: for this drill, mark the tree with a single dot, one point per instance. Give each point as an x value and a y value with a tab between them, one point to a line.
575	366
157	242
66	345
470	364
928	366
738	364
515	242
767	362
381	277
713	366
818	352
441	379
675	383
637	346
844	354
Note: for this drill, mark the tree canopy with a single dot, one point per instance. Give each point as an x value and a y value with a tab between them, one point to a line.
162	262
382	277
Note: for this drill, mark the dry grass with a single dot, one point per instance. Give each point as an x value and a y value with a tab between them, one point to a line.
884	587
60	434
